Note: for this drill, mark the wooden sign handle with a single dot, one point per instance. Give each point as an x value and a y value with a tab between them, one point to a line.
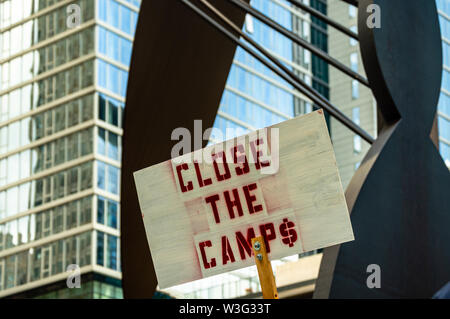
265	273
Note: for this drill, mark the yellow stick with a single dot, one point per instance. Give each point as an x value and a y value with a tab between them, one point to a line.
266	278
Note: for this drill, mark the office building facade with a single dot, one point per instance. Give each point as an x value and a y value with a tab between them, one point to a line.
63	77
351	97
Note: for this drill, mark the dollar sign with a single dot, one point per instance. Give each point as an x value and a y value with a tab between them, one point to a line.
288	233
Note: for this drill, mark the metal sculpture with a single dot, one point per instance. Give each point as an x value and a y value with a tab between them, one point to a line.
178	73
400	209
399	197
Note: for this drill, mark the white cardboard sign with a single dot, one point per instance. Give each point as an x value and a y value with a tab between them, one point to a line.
201	210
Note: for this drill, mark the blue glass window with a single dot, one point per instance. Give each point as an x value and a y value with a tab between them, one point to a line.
116	44
118	15
252	113
444	128
445	27
123	83
444	104
113	113
136	3
125	19
125	52
112	78
113	13
446	79
112	214
102	38
107	212
102	74
261	90
102	9
443	5
445	151
446	53
101	169
102	108
108	177
109	109
101	210
113	179
134	18
100	248
113	146
101	141
111	47
112	252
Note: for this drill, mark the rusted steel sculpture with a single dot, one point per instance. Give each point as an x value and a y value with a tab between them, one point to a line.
399	197
178	72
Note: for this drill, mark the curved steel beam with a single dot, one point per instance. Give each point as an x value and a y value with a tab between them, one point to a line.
398	198
178	72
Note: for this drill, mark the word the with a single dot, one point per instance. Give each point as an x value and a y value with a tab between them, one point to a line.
235	203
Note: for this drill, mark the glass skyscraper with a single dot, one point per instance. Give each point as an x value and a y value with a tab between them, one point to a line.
62	90
255	97
444	101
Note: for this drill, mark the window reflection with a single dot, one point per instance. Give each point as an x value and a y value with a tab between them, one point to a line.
49	222
108	177
110	110
107	250
107	212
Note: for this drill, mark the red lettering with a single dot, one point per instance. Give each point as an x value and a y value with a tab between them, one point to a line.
233	203
227	252
241	159
201	181
267	236
179	168
251	198
227	174
257	153
212	200
206	264
245	245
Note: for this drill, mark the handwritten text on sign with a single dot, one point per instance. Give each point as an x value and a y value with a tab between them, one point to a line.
201	210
